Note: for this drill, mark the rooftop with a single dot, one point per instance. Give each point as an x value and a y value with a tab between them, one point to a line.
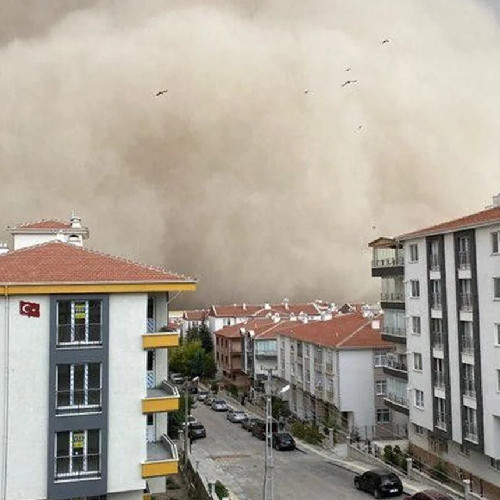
247	310
345	331
56	262
263	328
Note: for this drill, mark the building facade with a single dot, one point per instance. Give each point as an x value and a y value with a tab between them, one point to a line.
452	275
335	368
84	364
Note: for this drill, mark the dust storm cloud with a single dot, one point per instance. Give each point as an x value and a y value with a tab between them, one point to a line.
257	171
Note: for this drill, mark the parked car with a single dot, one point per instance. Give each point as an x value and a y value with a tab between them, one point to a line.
177	378
219	405
197	431
259	429
429	495
193	389
208	400
247	423
191	420
379	482
283	441
236	416
202	395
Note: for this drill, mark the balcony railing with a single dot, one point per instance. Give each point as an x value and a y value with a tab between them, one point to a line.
392	296
396	398
70	335
397	260
266	352
434	262
162	458
439	379
78	466
78	401
466	302
463	260
437	340
467	344
396	363
435	300
471	431
396	331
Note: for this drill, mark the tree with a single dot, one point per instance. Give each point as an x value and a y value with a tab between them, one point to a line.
205	337
192	360
192	334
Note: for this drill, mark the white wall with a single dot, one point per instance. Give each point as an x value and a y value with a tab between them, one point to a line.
357	385
418	343
127	387
28	398
488	266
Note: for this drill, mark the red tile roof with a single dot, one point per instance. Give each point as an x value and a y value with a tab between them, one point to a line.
195	314
345	331
247	310
43	224
58	262
485	217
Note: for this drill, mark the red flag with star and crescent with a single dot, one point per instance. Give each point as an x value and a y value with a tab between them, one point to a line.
31	309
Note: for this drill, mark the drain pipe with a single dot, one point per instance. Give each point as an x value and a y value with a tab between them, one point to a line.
6	393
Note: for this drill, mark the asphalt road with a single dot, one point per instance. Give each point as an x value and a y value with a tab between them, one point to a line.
298	474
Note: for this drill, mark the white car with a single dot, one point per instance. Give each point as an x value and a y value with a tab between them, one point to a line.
236	416
219	405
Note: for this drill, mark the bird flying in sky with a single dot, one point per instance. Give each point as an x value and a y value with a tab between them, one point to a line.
385	40
161	92
348	82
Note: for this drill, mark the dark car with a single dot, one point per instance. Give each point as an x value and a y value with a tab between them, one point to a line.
197	431
380	482
283	441
429	495
247	423
259	429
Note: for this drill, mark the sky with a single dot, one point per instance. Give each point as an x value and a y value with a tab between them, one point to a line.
259	171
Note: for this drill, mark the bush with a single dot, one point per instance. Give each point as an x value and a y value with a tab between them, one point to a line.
232	390
220	490
388	455
309	433
438	472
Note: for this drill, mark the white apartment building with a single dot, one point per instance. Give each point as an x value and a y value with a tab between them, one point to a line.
335	368
193	318
452	285
83	361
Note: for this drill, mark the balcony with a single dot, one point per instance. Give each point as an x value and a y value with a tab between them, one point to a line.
162	459
397	402
465	302
469	388
387	262
396	367
436	301
437	340
392	297
154	338
434	262
394	334
467	344
163	398
463	260
266	353
471	431
439	380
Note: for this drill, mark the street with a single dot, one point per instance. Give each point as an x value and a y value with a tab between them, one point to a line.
297	474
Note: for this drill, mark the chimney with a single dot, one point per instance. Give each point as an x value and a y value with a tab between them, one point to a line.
276	318
75	220
376	324
496	200
293	317
267	305
244	306
3	248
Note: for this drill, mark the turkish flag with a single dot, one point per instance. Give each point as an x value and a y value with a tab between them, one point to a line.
31	309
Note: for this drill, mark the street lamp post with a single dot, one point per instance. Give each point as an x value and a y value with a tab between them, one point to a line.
186	417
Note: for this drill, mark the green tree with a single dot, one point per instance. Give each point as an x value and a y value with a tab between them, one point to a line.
192	360
206	338
193	334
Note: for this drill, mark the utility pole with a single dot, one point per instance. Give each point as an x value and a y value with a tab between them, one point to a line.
268	469
186	415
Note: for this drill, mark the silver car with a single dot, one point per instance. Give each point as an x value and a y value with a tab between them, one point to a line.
236	416
219	405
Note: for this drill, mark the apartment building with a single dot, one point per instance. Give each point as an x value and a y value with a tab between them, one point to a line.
388	264
193	318
452	277
335	368
84	363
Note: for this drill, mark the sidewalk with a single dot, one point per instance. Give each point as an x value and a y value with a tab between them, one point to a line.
336	456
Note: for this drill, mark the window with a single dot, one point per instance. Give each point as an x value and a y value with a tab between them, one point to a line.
437	333
79	322
497	334
306	350
379	358
380	388
78	387
438	367
435	294
78	454
463	253
441	413
434	255
415	325
495	242
417	361
465	295
383	416
496	288
495	464
469	380
470	424
419	398
415	288
414	253
418	429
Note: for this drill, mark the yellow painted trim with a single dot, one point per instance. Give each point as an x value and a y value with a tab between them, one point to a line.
147	496
160	468
97	288
158	405
159	340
